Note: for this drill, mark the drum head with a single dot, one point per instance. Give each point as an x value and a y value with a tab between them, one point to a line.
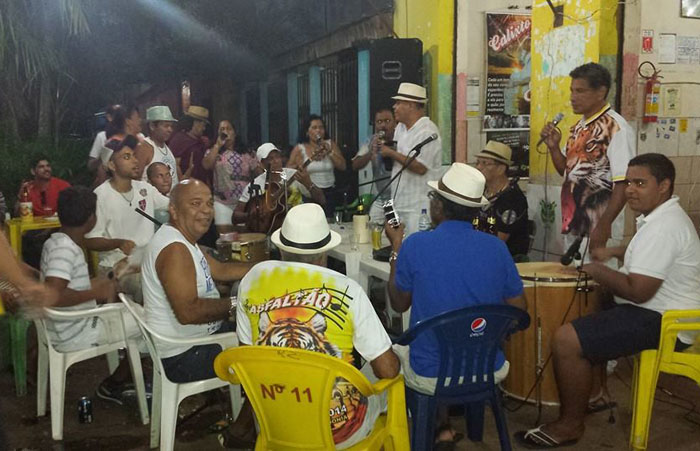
548	272
244	238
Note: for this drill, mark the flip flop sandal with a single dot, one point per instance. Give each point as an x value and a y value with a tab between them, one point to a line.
599	404
220	425
538	439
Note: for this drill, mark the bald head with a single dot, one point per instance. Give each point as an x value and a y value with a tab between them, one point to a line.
191	208
184	190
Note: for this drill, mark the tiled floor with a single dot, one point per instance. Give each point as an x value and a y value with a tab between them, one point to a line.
118	428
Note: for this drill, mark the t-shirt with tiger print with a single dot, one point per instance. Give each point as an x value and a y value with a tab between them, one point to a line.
303	306
597	153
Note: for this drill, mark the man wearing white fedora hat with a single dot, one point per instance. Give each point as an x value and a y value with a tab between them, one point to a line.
153	148
410	192
447	269
327	312
506	214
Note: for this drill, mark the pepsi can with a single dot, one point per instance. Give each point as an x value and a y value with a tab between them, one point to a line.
85	410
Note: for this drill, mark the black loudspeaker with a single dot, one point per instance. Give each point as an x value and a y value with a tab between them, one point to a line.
391	62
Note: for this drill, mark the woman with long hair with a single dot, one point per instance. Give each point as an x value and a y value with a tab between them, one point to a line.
322	156
233	168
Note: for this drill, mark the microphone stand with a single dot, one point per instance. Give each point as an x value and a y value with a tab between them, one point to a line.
413	155
381	179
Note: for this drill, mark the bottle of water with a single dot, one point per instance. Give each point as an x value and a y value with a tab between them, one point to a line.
424	221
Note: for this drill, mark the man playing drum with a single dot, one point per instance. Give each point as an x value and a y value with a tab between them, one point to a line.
661	272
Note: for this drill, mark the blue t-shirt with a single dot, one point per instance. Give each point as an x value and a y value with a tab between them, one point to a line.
450	268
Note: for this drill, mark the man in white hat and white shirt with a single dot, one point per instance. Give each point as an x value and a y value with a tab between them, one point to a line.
328	312
270	158
506	214
447	269
410	192
153	148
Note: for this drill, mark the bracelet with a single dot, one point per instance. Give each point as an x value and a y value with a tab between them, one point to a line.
232	308
393	256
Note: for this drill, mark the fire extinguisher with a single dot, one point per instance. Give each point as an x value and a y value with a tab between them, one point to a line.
652	89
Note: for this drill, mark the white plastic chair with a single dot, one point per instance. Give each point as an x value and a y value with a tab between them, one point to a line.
54	364
167	395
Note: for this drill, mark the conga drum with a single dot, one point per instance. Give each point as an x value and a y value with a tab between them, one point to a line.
555	295
250	247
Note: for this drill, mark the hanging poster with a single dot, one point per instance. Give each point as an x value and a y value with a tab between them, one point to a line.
508	71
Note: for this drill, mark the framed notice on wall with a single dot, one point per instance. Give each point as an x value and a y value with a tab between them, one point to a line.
507	103
690	8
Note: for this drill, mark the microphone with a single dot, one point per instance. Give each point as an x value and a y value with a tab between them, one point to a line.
568	257
427	140
555	122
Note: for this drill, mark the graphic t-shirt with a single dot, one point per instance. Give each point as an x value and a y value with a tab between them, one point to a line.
309	307
597	153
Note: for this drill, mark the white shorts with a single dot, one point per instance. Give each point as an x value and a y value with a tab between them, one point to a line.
223	214
426	385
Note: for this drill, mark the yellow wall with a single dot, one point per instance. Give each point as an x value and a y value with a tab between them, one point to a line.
432	21
588	34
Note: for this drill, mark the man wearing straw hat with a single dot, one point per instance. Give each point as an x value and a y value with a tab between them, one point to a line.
450	268
506	214
299	303
189	144
410	191
153	148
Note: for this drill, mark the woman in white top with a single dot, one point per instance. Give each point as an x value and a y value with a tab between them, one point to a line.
323	157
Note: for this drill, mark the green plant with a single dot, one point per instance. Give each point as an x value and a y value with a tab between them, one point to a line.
68	161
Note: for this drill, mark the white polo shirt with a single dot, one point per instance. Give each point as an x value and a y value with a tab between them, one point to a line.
666	247
410	194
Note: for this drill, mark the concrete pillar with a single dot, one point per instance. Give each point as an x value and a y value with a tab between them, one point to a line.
292	107
315	90
264	113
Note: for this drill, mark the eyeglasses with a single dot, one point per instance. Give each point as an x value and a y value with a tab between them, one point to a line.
485	163
433	195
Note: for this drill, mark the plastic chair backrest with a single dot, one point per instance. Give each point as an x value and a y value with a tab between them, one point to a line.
290	390
468	340
145	332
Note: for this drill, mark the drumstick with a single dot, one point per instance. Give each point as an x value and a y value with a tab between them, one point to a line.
149	217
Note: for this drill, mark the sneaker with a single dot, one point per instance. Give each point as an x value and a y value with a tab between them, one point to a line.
110	392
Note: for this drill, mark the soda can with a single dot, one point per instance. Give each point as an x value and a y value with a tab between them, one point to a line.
85	410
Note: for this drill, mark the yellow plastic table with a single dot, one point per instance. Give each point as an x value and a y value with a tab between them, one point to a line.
16	228
18	325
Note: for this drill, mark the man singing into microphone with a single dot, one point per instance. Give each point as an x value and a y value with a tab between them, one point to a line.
384	126
410	191
593	162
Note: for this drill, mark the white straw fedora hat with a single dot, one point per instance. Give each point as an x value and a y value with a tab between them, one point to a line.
497	151
463	185
411	92
305	231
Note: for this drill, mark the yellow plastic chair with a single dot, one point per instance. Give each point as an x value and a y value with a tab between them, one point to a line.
290	391
651	362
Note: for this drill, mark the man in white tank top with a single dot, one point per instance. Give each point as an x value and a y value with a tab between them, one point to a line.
180	296
153	148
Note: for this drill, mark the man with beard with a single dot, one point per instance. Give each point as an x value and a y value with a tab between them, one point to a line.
43	189
120	227
384	126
